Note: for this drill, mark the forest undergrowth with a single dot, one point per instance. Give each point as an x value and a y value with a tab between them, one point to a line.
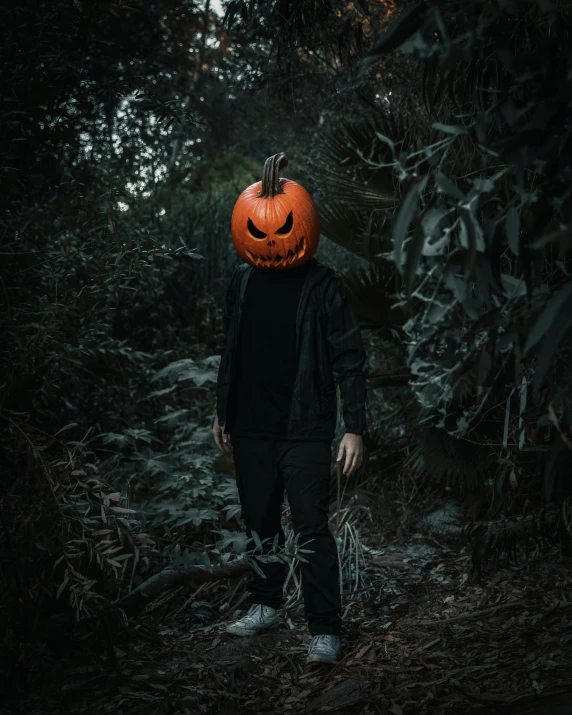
431	625
436	141
422	633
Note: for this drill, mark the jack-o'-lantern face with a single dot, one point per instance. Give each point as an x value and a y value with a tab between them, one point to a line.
275	223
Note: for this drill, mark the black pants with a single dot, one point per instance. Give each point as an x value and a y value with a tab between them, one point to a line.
264	468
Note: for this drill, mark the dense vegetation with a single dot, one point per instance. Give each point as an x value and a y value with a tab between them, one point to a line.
438	145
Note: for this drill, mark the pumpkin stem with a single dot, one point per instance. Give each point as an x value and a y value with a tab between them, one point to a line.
271	176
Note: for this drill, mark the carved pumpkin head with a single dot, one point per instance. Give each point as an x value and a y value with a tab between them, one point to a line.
275	223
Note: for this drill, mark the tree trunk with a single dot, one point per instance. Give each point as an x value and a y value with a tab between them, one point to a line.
63	624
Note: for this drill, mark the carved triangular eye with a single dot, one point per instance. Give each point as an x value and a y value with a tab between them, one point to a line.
288	225
256	232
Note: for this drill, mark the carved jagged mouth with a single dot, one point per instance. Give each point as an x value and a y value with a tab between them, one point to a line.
279	260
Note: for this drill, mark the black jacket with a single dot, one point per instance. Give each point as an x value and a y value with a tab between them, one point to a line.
329	346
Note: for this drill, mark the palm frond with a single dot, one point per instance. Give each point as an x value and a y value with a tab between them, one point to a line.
355	159
371	292
532	535
357	190
438	455
465	385
361	233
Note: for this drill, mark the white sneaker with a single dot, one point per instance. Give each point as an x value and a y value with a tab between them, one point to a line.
258	618
324	649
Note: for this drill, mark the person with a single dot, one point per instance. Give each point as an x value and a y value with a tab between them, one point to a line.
290	335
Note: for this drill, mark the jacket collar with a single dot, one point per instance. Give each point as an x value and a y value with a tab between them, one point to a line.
317	273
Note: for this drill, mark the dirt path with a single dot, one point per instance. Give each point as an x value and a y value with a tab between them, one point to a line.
420	637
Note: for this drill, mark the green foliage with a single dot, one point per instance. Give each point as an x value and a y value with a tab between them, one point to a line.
454	461
372	293
112	268
335	27
479	238
127	134
532	535
353	171
70	542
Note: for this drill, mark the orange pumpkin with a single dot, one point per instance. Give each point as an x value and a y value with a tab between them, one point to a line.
275	223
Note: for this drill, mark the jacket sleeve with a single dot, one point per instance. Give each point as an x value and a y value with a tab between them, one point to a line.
347	356
227	309
229	300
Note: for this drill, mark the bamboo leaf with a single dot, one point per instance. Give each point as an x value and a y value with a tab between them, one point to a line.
405	215
449	128
63	584
414	248
512	227
257	541
546	318
398	32
558	329
447	186
257	568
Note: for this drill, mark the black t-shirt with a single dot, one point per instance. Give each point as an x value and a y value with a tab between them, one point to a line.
266	357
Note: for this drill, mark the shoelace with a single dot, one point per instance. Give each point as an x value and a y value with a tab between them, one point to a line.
319	641
254	608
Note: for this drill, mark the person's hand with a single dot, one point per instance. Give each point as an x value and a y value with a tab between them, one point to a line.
222	439
352	445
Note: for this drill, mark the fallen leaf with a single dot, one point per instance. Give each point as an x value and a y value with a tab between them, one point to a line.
363	651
